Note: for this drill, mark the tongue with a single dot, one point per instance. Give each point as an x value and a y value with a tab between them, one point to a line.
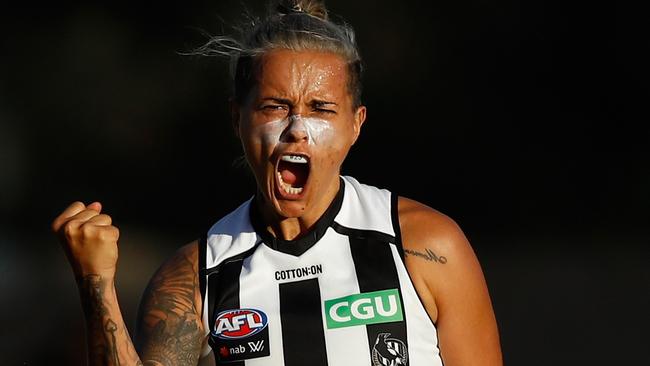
294	174
288	176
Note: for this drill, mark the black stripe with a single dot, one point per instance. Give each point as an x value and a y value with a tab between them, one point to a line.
235	258
362	234
303	337
394	214
375	268
203	244
394	211
223	294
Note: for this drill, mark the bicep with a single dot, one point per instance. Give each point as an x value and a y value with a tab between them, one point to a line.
449	280
466	325
169	328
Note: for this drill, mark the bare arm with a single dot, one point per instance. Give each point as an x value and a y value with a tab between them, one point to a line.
170	320
108	339
169	330
450	282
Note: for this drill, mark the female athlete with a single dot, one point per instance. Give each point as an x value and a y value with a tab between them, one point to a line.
316	268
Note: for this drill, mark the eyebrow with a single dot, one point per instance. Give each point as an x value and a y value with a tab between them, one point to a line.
322	102
288	102
277	100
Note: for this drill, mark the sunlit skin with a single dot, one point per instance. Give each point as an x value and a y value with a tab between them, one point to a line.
455	294
310	84
313	85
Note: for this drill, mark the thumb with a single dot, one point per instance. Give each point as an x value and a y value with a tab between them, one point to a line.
97	206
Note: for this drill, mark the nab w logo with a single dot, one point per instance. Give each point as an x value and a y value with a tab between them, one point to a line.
256	346
366	308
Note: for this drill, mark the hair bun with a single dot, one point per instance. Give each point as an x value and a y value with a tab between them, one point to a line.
315	8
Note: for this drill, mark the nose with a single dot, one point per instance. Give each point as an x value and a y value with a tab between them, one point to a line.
296	131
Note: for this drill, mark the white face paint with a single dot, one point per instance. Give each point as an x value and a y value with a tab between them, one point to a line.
319	132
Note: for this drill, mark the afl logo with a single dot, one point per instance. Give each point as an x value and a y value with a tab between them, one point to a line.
239	323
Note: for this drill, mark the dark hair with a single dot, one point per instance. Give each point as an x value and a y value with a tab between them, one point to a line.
292	24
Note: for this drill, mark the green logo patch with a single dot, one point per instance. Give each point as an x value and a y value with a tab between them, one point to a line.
366	308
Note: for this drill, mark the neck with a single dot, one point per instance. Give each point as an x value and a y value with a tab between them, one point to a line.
291	228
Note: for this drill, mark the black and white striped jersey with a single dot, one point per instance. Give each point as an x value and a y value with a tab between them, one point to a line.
340	295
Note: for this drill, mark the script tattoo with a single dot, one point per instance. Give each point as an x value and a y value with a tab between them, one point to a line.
429	255
168	330
104	348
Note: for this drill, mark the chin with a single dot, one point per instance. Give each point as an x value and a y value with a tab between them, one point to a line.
290	209
289	205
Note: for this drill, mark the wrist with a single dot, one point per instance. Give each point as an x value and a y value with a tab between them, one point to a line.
94	279
82	271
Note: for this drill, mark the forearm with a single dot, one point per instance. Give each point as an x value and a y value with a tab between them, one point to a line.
109	342
170	328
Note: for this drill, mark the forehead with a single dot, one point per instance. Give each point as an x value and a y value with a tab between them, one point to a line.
290	72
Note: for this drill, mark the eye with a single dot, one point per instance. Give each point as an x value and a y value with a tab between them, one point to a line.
323	108
273	107
325	111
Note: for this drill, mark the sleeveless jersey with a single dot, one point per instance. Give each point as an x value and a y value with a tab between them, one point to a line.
339	295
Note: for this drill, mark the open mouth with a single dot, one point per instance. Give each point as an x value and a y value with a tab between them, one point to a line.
292	172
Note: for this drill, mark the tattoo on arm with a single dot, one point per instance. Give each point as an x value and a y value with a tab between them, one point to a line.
169	327
428	256
103	347
110	328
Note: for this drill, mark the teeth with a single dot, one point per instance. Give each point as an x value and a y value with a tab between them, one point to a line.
287	187
294	159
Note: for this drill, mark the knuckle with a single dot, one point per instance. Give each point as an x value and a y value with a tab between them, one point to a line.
69	229
88	230
103	235
108	234
105	217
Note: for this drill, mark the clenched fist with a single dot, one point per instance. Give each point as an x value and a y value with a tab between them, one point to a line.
88	238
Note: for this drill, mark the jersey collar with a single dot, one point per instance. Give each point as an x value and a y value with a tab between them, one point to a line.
298	246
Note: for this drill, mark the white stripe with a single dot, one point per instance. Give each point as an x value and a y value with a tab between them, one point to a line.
258	290
349	345
230	236
365	208
422	341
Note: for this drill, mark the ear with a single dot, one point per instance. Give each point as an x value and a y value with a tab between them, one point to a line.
359	119
235	114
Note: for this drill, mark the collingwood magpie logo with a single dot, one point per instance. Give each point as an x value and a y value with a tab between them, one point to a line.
389	351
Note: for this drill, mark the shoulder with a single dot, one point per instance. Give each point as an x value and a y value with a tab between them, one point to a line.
425	226
449	280
428	231
438	255
184	263
174	287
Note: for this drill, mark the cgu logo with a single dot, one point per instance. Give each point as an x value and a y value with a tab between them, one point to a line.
239	323
366	308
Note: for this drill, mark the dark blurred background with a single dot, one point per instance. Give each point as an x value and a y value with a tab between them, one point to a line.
525	121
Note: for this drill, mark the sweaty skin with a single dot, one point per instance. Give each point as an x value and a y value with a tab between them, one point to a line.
314	86
319	132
